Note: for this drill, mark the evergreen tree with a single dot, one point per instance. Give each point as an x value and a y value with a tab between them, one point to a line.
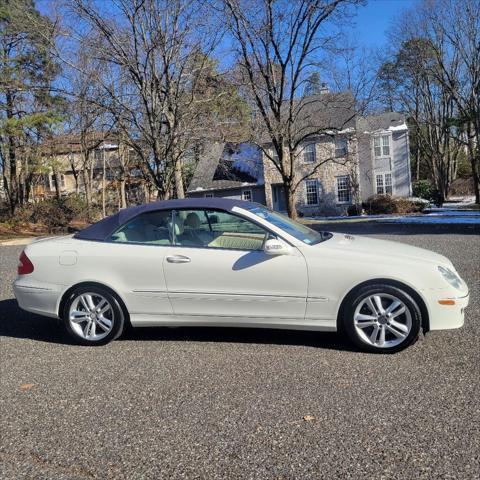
27	107
313	85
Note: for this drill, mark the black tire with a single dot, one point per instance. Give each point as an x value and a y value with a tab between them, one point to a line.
115	315
360	296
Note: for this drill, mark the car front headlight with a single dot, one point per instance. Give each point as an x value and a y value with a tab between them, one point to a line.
451	277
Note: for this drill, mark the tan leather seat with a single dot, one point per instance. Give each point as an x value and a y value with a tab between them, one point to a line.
238	241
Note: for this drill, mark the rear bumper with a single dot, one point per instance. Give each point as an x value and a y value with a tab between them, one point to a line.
445	317
40	300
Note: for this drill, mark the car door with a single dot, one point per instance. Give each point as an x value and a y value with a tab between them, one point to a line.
217	268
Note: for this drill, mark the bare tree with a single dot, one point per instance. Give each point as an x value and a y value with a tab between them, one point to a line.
277	43
454	27
435	77
430	108
87	122
157	50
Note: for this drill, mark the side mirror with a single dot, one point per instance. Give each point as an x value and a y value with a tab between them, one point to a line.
276	247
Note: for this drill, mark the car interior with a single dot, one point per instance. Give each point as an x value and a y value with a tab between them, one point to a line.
195	228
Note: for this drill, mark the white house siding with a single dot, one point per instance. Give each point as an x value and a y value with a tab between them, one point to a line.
401	165
366	166
398	164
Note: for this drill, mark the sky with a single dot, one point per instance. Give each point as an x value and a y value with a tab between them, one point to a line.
374	20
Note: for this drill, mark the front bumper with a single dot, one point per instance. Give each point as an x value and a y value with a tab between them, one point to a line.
41	300
445	317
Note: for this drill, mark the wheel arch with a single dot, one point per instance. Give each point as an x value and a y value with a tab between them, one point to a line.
394	283
120	300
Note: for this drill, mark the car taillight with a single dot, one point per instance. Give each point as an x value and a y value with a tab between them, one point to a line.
25	266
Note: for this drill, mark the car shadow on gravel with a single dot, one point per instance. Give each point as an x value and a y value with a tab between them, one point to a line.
16	323
260	336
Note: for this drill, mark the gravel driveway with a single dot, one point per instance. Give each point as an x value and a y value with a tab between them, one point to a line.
260	404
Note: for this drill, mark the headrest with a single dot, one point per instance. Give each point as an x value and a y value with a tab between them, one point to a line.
192	220
178	226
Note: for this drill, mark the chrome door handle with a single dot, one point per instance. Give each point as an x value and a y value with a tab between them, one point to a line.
178	259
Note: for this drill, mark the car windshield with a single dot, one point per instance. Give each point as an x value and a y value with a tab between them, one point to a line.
295	229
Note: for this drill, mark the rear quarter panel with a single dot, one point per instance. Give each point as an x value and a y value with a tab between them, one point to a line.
134	272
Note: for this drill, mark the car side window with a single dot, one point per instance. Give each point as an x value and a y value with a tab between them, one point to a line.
152	228
217	229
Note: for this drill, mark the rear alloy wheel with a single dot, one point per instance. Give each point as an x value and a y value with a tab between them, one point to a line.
382	318
93	316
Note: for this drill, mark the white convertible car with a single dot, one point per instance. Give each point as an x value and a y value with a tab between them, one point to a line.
221	262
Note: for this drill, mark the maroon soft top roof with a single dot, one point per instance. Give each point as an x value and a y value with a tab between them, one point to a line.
104	228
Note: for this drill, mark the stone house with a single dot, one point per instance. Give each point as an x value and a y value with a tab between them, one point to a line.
357	158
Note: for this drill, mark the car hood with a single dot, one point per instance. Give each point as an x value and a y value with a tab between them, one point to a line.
393	251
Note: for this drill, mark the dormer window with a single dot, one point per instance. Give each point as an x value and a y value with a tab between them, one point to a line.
381	145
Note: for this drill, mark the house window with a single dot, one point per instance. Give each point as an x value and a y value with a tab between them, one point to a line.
311	189
341	147
309	154
381	145
384	184
136	172
247	195
60	179
343	189
209	195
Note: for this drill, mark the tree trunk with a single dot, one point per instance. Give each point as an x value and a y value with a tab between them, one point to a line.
290	200
146	193
474	155
474	161
87	187
12	160
179	179
122	193
104	209
76	180
57	185
417	157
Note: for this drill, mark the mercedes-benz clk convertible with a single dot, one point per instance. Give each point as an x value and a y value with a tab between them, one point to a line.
222	262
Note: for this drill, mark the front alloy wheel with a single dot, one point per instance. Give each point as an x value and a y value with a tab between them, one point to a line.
382	318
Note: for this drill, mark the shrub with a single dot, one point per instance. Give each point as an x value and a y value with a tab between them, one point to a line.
385	204
379	204
52	213
410	205
425	189
56	214
354	210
